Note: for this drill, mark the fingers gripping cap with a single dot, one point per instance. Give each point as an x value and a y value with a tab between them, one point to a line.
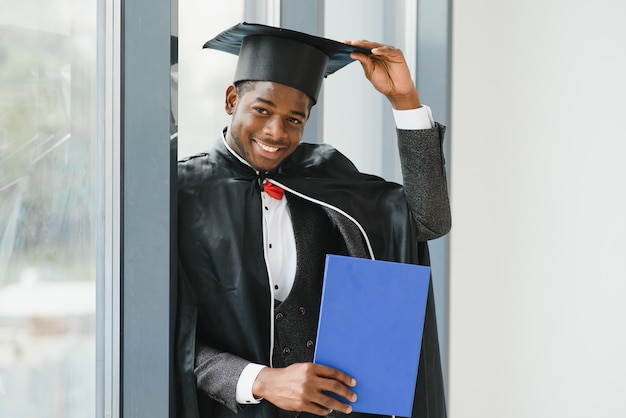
296	59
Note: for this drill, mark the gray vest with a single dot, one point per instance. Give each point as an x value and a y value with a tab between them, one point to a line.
295	319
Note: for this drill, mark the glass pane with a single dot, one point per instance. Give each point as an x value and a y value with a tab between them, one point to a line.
204	75
48	198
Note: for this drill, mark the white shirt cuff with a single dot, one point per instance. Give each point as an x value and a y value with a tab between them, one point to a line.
420	118
247	377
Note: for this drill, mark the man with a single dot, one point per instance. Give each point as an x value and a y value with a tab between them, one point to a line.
259	212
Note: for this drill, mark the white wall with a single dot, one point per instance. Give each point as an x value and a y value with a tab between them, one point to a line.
538	245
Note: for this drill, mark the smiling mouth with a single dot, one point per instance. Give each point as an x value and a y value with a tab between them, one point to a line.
266	147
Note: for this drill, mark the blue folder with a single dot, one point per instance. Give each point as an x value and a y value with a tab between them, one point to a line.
370	327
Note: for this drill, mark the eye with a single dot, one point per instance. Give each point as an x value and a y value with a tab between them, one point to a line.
295	121
261	110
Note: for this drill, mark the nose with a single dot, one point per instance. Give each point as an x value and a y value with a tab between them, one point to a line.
275	128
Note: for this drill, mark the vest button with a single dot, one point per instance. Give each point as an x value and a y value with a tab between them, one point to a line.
301	310
286	351
279	316
309	344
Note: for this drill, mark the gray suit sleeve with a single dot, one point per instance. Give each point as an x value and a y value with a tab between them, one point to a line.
424	178
217	373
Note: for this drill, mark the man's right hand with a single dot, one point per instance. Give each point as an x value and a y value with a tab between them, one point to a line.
302	386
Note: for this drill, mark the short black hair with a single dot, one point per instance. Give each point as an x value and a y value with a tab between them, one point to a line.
244	86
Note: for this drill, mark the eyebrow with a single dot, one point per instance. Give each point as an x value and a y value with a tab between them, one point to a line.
272	104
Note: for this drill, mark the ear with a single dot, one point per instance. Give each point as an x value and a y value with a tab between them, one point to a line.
231	99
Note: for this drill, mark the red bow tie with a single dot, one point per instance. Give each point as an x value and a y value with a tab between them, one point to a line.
273	190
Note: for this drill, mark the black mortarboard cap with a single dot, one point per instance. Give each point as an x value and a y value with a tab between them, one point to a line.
296	59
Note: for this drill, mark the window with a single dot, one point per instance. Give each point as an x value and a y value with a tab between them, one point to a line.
48	209
203	75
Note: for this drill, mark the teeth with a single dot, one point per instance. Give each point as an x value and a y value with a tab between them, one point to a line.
267	148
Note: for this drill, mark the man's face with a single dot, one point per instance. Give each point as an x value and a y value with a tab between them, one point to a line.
267	122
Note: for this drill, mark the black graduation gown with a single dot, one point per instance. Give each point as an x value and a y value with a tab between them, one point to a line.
223	282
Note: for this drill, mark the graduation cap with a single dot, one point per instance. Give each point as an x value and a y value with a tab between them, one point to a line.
296	59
